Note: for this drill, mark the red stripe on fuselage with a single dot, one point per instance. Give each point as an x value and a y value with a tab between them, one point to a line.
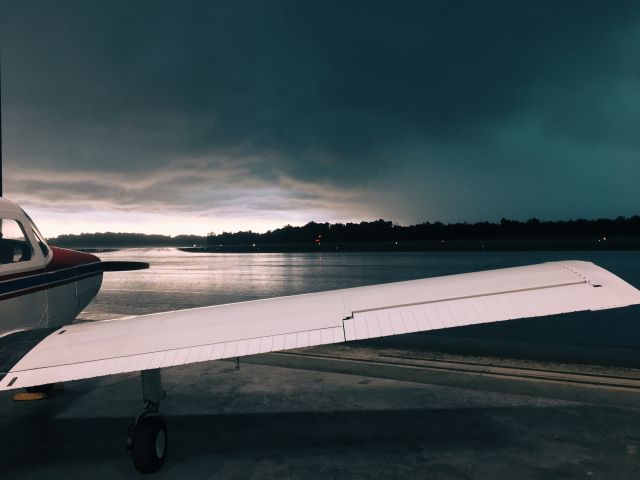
61	258
64	258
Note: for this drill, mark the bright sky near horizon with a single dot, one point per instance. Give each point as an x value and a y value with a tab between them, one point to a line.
189	117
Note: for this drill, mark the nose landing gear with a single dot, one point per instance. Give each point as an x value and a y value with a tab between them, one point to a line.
147	438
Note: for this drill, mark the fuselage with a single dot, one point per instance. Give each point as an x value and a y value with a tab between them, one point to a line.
40	286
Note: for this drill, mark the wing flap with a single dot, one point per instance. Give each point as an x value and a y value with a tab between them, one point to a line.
470	311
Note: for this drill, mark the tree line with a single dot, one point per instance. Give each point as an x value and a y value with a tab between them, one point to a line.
376	231
386	231
118	239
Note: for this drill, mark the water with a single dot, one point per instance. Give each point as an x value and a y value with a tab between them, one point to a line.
179	280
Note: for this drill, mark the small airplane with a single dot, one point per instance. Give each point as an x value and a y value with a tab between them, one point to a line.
43	288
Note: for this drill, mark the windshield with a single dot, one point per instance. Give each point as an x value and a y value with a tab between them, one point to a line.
42	243
14	246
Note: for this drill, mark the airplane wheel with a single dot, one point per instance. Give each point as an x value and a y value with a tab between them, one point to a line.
148	440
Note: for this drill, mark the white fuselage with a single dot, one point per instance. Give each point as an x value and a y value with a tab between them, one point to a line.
40	286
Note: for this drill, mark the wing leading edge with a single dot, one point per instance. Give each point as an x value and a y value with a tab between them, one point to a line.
225	331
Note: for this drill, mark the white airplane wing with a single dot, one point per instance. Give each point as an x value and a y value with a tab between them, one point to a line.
38	357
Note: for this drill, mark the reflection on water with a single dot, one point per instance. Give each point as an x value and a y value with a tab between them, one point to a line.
178	280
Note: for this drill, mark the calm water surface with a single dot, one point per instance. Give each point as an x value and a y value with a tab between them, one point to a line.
178	280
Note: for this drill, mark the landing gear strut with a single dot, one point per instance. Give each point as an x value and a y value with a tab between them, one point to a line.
147	438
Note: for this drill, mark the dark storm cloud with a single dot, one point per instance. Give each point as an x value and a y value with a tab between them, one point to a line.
187	190
412	110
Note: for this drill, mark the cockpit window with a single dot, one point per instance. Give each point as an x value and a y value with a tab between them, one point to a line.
14	246
41	241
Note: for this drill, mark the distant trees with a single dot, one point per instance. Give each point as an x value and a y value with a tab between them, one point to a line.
385	231
375	231
112	239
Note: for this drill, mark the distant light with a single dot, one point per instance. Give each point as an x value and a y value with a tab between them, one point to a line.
396	243
605	238
254	244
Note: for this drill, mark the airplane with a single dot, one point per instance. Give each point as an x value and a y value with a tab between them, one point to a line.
43	288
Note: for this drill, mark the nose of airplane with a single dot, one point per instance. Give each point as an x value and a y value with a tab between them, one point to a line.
63	258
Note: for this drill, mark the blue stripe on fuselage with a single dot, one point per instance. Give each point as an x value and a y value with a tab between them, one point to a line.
45	279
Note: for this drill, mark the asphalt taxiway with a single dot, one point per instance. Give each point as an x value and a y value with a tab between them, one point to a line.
343	412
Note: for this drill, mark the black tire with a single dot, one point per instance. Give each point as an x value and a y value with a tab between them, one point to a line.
149	444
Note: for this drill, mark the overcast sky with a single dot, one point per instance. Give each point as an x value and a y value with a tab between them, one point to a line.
189	117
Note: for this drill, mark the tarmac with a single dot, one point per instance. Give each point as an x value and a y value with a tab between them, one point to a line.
343	412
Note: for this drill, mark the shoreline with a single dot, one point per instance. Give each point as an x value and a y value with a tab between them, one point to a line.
371	247
430	246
